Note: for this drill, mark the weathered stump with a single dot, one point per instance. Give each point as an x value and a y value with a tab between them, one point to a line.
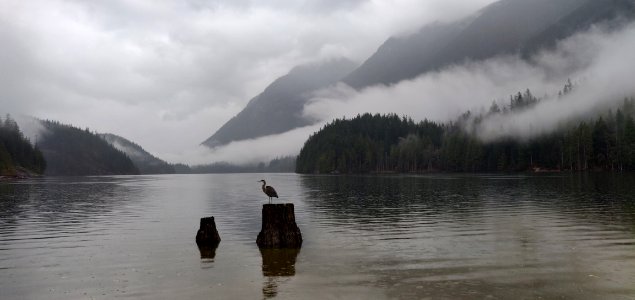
207	235
279	229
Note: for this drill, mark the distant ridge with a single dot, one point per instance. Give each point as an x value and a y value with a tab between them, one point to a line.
71	151
279	107
145	162
506	27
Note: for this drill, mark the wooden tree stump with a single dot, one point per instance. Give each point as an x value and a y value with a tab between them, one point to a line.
279	229
207	235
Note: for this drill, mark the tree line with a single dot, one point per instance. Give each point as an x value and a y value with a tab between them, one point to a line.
71	151
277	165
17	154
389	143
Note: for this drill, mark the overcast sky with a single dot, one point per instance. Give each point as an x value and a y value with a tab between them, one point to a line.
167	74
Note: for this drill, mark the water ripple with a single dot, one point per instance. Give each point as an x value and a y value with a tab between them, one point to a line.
380	237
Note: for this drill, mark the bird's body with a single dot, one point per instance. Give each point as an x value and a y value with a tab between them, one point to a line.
268	190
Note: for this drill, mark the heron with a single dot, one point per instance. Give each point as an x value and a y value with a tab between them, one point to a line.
268	190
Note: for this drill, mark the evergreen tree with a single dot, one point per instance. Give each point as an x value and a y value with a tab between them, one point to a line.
17	155
71	151
376	143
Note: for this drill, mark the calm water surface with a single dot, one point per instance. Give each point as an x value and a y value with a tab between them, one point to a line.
365	237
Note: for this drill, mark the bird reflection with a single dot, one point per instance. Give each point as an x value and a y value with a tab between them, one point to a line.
277	266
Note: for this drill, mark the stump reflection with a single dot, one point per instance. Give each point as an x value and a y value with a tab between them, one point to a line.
277	266
207	252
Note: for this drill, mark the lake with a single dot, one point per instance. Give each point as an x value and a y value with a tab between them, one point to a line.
447	236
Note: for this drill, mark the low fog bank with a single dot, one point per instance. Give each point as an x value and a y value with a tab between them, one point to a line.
599	62
603	83
439	96
263	149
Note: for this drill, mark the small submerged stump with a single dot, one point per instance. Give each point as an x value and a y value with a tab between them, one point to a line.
279	229
207	235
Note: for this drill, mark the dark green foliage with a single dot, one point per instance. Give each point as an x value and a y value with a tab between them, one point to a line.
16	151
71	151
371	143
388	143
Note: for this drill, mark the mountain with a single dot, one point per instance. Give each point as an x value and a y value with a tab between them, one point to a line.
504	27
18	157
610	12
70	151
402	58
279	107
145	162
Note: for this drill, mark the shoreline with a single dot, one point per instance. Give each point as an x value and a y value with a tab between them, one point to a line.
19	174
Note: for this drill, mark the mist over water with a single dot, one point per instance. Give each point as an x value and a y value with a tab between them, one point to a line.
251	151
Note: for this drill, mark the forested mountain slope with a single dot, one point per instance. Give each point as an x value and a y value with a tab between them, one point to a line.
144	161
71	151
18	157
389	143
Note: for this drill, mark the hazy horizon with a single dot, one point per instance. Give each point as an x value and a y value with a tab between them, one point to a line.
168	75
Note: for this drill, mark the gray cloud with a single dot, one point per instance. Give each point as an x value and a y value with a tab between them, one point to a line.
167	74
